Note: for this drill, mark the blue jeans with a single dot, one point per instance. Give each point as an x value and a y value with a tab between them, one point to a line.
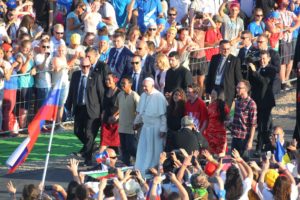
41	95
241	146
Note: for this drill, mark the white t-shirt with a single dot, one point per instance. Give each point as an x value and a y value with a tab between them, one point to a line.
107	10
54	44
43	79
6	65
182	7
246	187
90	24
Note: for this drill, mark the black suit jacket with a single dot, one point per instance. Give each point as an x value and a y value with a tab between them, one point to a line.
143	75
262	84
149	66
103	69
94	94
242	53
123	64
232	76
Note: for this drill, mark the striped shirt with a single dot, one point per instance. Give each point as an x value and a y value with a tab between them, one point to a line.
244	117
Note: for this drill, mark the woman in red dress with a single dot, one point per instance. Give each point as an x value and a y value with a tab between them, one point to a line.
218	112
109	128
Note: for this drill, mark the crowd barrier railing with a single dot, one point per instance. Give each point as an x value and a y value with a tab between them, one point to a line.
19	109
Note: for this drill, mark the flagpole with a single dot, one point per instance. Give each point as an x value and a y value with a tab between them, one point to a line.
50	141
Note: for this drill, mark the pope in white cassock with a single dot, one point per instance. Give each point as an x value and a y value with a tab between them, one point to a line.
152	115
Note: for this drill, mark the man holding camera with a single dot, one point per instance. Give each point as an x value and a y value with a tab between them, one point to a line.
261	80
247	52
187	137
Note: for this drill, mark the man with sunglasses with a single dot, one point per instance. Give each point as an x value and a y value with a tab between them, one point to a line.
137	74
85	96
57	38
43	76
247	52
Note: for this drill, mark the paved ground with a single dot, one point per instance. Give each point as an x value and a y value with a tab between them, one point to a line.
31	172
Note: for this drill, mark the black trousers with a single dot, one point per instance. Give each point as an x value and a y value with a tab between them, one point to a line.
264	128
128	146
80	121
92	128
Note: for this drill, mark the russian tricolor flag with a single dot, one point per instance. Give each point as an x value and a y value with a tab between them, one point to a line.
47	112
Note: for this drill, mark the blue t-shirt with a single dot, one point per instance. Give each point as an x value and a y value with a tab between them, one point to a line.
148	10
256	29
297	13
104	56
120	7
76	23
26	81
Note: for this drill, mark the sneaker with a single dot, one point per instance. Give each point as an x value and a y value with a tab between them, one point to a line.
283	86
289	84
60	128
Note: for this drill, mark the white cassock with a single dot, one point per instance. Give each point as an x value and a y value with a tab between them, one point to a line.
152	113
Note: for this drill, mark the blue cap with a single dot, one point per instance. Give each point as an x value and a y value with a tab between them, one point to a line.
161	21
101	25
274	14
11	4
103	37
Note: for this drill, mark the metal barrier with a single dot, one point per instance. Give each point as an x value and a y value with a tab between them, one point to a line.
15	120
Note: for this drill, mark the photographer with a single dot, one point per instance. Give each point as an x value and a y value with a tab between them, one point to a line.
261	80
187	137
43	77
248	53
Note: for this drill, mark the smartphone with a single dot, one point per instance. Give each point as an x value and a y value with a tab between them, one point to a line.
48	188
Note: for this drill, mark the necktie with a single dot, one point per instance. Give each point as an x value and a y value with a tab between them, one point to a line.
80	97
114	61
134	81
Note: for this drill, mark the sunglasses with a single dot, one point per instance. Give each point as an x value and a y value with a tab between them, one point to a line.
138	48
152	29
85	66
46	47
135	63
260	41
172	14
244	38
258	15
113	157
59	33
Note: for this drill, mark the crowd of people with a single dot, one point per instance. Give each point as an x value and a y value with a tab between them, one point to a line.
162	83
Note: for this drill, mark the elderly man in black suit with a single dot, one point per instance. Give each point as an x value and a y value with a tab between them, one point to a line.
119	56
261	80
86	97
224	72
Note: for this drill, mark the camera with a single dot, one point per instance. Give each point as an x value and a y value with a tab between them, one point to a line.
133	173
198	15
251	57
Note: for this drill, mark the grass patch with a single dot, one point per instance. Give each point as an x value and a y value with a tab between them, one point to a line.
63	144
